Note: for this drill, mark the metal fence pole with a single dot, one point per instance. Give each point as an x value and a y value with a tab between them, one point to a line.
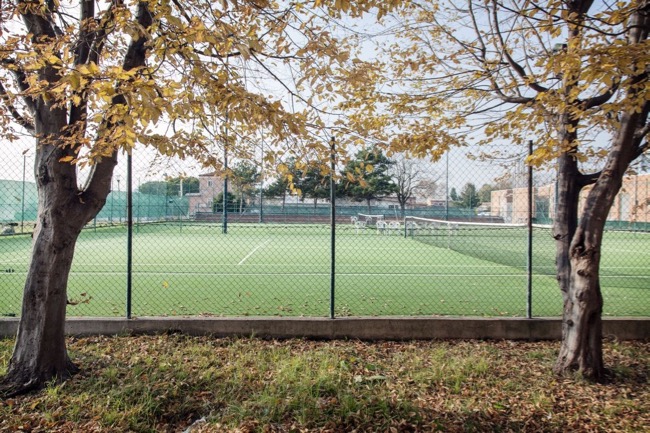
129	238
332	228
529	264
261	219
22	212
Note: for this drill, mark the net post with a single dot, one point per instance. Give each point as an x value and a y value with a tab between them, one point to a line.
529	261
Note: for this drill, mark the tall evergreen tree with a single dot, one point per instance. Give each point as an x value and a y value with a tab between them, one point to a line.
367	178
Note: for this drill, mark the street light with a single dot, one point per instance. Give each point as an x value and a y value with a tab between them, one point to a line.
118	193
110	217
22	213
447	185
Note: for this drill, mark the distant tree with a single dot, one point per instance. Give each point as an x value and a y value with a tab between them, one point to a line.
427	187
407	175
278	189
453	195
244	176
232	203
469	197
485	193
190	185
170	186
156	187
314	182
366	177
294	179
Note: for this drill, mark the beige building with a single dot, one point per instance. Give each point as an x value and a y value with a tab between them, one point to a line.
210	186
632	203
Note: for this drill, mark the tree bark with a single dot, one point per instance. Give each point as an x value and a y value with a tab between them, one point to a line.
579	249
40	354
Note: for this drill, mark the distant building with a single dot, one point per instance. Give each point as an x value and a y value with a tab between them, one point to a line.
210	186
632	203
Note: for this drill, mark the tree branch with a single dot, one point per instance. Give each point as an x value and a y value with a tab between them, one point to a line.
516	66
599	100
20	119
89	48
99	181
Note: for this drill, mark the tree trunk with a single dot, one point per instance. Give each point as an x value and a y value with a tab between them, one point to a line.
40	354
577	275
581	349
579	249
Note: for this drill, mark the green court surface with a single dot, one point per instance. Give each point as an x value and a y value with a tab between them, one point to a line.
267	269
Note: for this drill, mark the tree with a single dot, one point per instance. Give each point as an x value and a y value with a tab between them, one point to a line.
453	195
154	187
190	185
279	188
485	193
366	177
558	73
468	196
407	174
89	87
233	203
314	182
170	187
428	187
244	176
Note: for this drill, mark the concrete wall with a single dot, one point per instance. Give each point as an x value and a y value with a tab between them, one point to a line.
365	328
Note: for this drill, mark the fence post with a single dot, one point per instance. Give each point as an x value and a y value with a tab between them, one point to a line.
129	236
529	264
332	228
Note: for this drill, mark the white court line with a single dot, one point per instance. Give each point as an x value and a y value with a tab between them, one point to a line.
340	265
18	260
621	250
346	274
252	252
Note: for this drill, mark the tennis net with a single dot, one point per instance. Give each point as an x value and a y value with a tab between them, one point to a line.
501	243
369	218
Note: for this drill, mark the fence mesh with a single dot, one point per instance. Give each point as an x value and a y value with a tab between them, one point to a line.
454	243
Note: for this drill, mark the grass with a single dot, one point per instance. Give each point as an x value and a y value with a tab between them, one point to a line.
285	270
168	382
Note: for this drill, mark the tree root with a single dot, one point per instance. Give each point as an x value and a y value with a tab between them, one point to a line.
14	383
11	388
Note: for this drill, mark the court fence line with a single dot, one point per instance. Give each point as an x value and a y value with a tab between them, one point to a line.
375	265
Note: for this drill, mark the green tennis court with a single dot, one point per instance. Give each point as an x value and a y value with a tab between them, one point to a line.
267	269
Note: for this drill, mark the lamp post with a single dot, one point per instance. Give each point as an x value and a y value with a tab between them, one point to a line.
118	198
166	195
447	185
110	217
22	212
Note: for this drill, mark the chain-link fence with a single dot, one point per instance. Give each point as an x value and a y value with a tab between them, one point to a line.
436	238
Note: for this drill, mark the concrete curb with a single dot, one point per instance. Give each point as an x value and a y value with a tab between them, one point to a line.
364	328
